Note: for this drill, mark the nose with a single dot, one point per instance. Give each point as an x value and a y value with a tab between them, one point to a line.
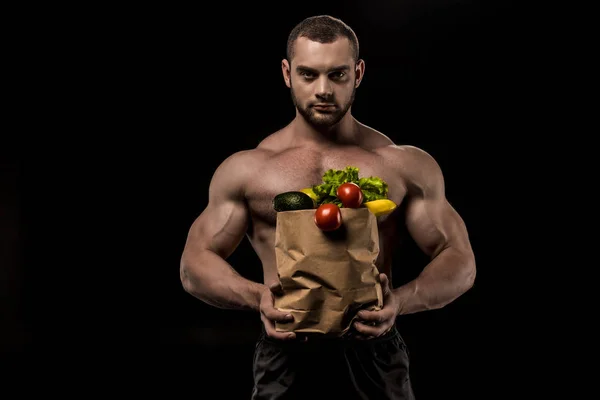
324	89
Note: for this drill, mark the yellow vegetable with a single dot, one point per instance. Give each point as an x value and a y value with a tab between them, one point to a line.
381	206
311	194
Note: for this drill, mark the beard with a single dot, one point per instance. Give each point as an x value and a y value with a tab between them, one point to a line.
322	119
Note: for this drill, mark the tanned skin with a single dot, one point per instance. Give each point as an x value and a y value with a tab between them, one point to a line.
318	139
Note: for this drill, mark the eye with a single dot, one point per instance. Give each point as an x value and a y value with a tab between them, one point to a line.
307	75
338	74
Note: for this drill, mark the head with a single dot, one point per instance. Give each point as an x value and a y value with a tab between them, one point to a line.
322	69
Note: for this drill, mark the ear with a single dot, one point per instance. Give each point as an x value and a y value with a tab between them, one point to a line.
285	70
359	72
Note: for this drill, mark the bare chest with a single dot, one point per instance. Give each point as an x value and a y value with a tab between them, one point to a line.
301	168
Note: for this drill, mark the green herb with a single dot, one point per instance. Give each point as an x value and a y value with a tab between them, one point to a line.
373	188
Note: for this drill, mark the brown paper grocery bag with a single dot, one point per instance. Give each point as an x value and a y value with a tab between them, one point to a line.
326	277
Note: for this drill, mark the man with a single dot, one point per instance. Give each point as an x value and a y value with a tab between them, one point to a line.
323	71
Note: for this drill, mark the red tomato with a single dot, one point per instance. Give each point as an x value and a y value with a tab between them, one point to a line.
350	195
328	217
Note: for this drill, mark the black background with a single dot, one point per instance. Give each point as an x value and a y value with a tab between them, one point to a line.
139	106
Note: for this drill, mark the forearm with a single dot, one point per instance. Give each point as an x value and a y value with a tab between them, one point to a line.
450	274
211	279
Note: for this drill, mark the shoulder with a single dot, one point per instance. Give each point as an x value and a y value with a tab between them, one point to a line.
244	161
420	169
235	170
372	138
243	158
408	156
275	142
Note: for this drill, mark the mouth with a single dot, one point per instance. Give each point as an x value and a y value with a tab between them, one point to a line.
324	107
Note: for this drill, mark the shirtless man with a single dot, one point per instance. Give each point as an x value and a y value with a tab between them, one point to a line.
323	71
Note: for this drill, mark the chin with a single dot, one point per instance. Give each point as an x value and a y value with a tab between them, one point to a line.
331	120
320	121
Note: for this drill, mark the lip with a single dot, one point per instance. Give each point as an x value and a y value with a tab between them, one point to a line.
324	106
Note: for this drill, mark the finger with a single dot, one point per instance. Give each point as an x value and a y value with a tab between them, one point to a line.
372	316
385	283
274	314
267	307
366	330
380	316
272	332
276	288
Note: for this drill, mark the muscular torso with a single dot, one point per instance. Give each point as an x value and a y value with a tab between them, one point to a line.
287	168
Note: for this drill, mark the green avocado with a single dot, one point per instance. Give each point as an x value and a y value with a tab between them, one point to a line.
290	201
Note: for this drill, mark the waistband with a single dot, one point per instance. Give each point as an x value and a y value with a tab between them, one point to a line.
318	338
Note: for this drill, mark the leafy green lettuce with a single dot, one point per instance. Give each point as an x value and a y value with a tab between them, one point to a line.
373	188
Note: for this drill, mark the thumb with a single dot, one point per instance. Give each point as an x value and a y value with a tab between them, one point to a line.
385	283
276	288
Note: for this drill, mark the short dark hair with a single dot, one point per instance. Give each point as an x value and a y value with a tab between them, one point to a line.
323	29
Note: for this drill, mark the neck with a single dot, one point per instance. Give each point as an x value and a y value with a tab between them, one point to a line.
344	132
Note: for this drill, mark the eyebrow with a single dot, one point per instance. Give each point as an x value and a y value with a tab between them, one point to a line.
344	67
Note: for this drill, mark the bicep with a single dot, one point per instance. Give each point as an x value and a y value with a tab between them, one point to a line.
435	225
223	223
219	228
431	220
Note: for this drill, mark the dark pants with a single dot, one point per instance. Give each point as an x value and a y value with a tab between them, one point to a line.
332	368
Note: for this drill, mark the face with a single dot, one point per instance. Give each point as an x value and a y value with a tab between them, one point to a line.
323	79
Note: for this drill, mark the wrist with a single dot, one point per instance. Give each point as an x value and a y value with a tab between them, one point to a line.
257	291
401	296
396	294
